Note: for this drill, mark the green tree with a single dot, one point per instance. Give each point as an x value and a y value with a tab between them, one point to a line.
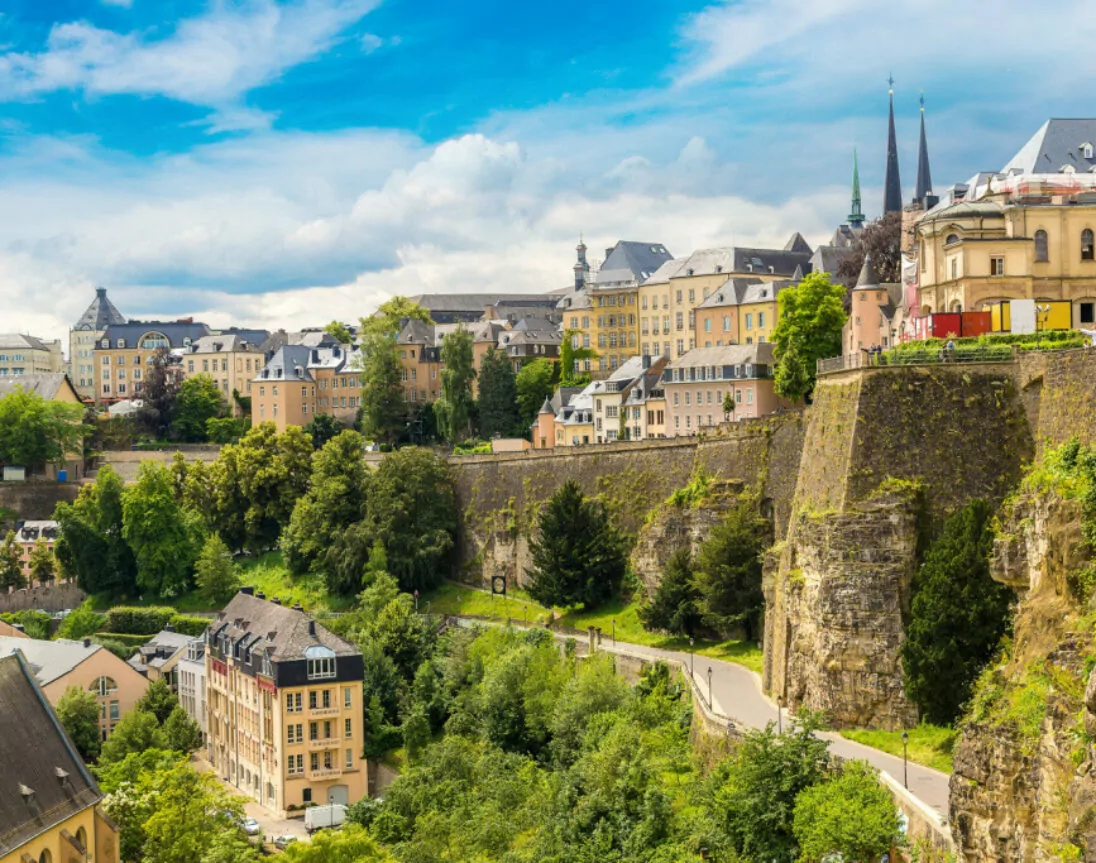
78	711
416	732
35	431
340	332
43	565
158	700
181	733
383	407
957	616
757	789
215	572
392	314
579	556
674	607
163	376
808	329
230	847
535	382
11	564
349	845
323	428
498	397
81	622
727	572
197	401
135	732
163	538
570	355
728	403
454	406
851	818
191	809
222	430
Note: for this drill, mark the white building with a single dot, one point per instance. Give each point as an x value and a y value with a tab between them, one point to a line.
191	675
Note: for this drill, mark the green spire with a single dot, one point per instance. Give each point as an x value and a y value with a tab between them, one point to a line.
856	217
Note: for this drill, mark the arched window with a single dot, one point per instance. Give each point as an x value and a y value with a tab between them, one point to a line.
82	837
1087	252
45	857
321	662
103	687
1041	251
951	238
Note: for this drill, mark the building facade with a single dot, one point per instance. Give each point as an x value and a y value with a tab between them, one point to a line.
300	382
159	658
83	339
28	355
191	677
232	360
31	535
124	351
284	698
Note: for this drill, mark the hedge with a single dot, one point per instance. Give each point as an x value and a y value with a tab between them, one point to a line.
148	621
127	638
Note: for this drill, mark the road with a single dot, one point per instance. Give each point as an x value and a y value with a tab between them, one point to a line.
737	695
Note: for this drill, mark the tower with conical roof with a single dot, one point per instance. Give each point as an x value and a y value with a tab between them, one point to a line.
924	175
892	184
582	266
856	217
83	336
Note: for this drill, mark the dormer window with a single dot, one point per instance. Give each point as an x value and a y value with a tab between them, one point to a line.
321	662
1067	169
1086	150
105	343
120	343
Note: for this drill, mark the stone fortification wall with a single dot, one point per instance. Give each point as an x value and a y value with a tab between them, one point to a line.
58	596
34	500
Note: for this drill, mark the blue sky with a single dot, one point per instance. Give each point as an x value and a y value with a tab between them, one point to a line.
283	163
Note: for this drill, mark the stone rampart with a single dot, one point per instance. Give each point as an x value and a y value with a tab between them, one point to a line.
56	596
34	500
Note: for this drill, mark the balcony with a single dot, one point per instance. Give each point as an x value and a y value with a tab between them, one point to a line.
324	711
325	743
325	773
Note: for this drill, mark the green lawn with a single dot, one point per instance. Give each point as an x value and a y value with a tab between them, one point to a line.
615	615
929	745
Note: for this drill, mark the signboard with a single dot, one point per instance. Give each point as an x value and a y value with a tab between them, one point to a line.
498	584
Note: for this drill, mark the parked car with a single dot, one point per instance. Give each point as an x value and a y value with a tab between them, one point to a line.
319	817
284	841
250	826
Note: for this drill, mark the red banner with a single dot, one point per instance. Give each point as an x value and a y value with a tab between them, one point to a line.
218	666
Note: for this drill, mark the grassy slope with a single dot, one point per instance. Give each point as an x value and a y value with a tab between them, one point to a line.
929	745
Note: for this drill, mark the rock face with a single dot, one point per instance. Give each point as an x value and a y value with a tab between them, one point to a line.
835	613
1024	785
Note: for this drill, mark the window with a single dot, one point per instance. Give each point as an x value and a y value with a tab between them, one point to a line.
313	700
293	702
313	731
296	764
1041	251
749	397
749	319
327	761
1087	251
326	698
314	760
103	687
306	795
321	666
726	324
761	319
114	711
291	734
348	727
348	696
1088	313
349	759
955	268
997	266
951	238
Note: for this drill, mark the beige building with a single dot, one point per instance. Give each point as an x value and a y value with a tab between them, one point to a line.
28	355
62	663
231	359
158	659
83	339
49	802
29	535
284	697
124	351
53	386
871	313
697	383
300	382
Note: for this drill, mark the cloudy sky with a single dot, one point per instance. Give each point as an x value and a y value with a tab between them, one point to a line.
285	163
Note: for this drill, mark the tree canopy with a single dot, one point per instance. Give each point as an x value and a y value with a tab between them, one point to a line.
808	329
499	414
35	431
728	570
198	400
454	406
535	382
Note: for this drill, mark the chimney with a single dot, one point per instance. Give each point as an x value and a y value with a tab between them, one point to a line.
101	293
18	627
312	628
260	595
248	591
315	355
169	628
277	600
297	607
87	642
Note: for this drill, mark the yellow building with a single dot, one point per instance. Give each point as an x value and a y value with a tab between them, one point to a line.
83	338
232	360
123	353
49	802
27	355
300	382
284	698
1027	232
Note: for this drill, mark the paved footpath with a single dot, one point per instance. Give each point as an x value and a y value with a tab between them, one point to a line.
736	694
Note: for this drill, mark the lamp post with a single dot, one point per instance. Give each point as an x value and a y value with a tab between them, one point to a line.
691	655
780	714
614	632
1041	314
710	705
905	760
416	601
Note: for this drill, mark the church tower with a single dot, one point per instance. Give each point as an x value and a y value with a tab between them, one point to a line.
924	175
582	266
892	185
856	217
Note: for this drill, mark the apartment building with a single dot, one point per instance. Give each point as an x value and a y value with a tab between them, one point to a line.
741	311
159	658
231	359
27	355
83	338
696	385
284	697
124	351
49	802
191	677
299	382
530	339
29	535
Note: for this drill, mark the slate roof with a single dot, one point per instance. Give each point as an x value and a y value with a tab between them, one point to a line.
100	314
575	300
35	755
632	262
48	660
826	259
730	293
176	332
760	353
250	616
415	332
1056	145
667	271
150	654
45	384
20	341
738	259
868	277
284	364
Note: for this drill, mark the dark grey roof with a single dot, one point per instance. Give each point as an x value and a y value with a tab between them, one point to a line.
177	333
780	262
48	660
38	764
252	337
796	243
100	314
159	650
415	332
469	303
284	365
45	384
730	293
629	261
868	278
760	353
1056	145
284	631
826	259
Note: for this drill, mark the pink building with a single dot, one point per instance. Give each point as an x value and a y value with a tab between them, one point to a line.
871	316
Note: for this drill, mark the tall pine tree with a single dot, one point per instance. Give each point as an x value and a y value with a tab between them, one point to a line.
498	396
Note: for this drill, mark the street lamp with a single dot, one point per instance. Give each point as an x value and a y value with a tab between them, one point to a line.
691	655
416	594
905	760
780	714
710	706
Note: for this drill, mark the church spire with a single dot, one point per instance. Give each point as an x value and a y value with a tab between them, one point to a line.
924	176
856	217
582	266
892	186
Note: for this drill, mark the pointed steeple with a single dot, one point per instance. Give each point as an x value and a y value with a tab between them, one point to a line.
924	176
892	185
856	217
869	278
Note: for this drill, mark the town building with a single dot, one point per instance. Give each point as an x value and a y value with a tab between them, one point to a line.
299	382
27	355
158	658
420	358
231	359
83	338
696	384
1025	232
871	316
62	663
28	536
471	308
284	697
565	419
49	802
530	339
124	351
190	674
643	412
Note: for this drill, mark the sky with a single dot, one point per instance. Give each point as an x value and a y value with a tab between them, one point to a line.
283	163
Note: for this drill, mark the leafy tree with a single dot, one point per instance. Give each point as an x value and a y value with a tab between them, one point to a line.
181	733
674	608
851	817
91	546
882	239
78	711
81	622
163	538
43	565
535	382
215	572
412	511
757	790
35	431
416	732
191	809
498	396
454	407
392	314
340	332
808	329
224	430
323	428
383	407
957	616
197	401
163	376
231	847
579	556
569	357
728	403
158	700
11	564
349	845
135	732
36	624
728	570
